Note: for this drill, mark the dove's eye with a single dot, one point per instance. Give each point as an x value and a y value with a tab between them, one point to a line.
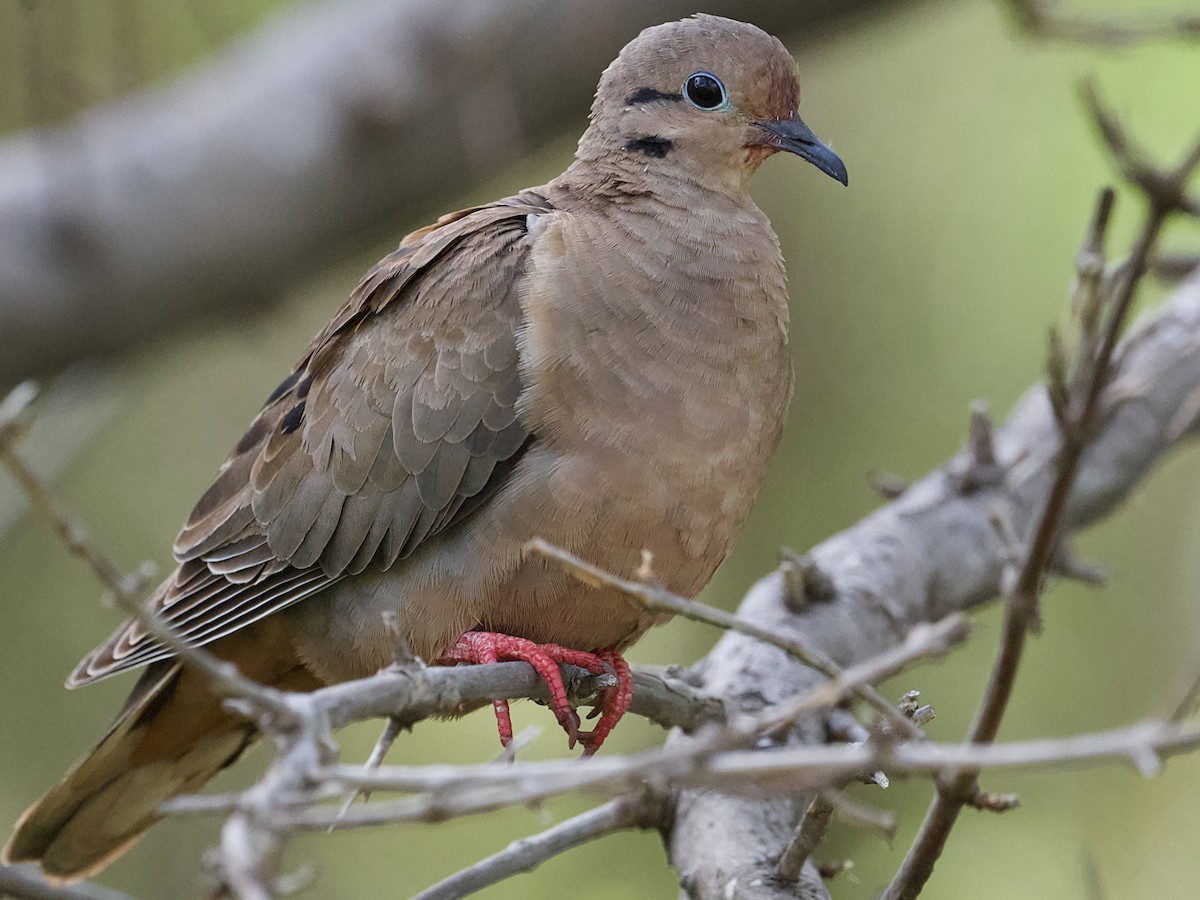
705	91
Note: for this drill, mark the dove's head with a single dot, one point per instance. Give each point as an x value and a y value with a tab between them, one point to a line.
706	99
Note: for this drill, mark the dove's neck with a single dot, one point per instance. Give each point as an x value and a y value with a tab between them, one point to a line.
656	313
612	162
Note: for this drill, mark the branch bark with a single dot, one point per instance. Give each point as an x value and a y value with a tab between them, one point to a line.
932	551
219	192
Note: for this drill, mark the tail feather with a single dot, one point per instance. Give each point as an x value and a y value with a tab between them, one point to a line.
111	796
171	737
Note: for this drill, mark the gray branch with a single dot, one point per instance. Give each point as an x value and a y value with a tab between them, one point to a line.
934	550
219	192
25	882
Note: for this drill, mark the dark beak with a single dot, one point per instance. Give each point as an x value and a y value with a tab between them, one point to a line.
794	136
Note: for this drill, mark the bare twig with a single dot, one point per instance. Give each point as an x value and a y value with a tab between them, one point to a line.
526	854
13	410
224	676
1078	412
1174	267
862	816
441	792
391	730
26	883
657	599
923	642
809	834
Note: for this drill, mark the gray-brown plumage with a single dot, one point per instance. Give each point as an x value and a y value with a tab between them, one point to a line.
601	361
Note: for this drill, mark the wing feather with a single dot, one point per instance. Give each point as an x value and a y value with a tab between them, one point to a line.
398	421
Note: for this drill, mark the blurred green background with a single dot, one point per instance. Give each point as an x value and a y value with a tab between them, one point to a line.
928	283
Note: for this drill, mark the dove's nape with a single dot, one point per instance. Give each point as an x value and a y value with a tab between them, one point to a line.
600	362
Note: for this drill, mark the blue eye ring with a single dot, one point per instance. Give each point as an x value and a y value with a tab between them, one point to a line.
706	91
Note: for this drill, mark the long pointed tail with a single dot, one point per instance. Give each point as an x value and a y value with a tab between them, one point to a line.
171	738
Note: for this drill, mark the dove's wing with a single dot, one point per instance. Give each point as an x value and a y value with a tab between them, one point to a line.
397	423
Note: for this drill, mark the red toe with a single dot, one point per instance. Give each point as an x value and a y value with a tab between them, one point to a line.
489	647
614	704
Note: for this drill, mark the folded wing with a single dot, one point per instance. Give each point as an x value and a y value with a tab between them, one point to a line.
396	424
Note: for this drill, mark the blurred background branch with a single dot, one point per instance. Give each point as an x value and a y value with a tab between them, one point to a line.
1045	19
220	191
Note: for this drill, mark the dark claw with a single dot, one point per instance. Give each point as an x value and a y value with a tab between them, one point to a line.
570	724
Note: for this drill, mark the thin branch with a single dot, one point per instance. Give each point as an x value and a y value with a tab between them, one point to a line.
26	883
441	792
391	730
655	598
860	815
1172	268
1079	417
923	642
1040	19
13	411
809	834
526	854
223	676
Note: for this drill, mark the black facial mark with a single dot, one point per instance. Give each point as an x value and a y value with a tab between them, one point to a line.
651	145
649	95
293	418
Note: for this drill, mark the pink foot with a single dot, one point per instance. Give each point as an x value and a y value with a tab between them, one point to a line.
490	647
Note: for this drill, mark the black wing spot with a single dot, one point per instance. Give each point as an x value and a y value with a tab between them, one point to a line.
284	386
292	381
651	145
292	419
649	95
255	433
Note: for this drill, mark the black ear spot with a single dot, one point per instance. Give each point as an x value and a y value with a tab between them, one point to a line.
651	145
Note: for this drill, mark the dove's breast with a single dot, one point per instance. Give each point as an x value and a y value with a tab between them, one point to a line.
655	383
657	379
